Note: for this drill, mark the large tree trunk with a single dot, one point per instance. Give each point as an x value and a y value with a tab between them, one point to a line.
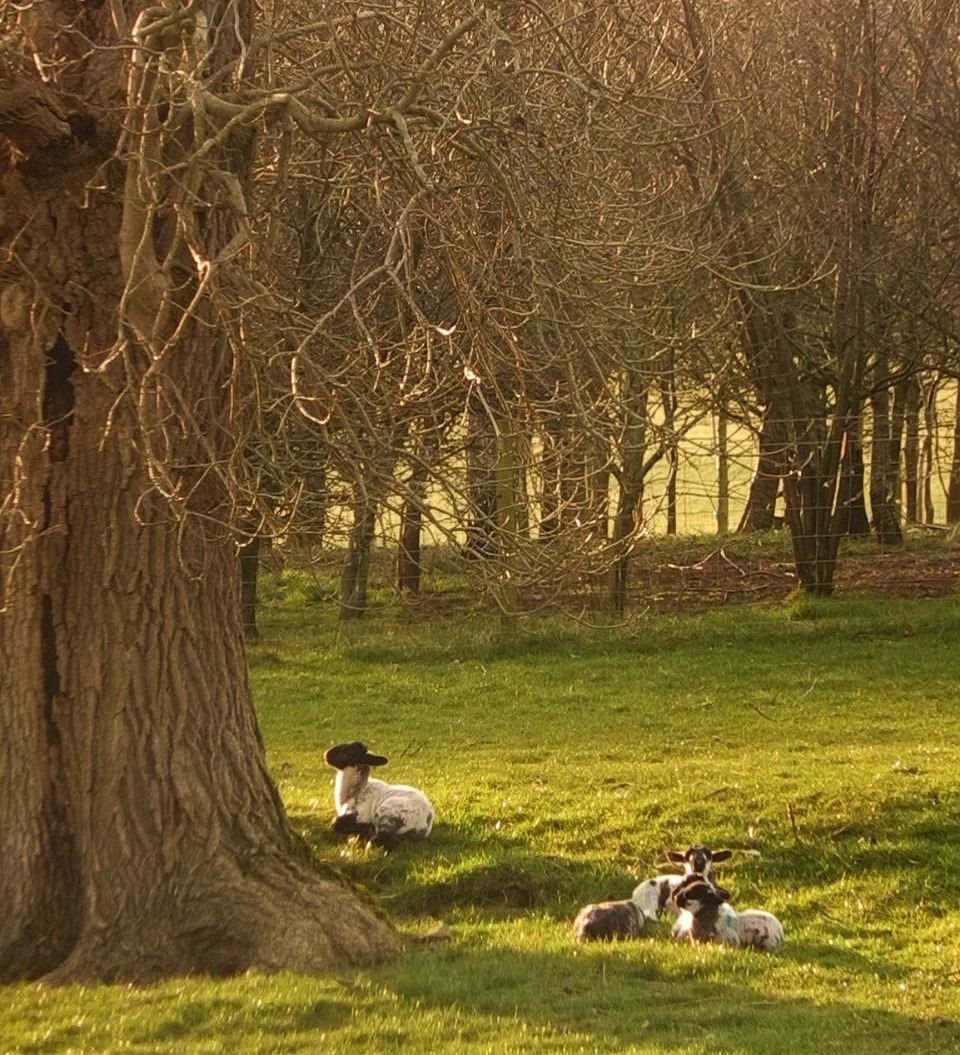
140	832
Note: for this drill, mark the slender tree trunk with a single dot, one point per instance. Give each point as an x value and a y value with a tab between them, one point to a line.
557	482
910	397
723	471
669	402
852	519
355	574
953	484
631	478
411	527
930	426
759	512
480	451
551	500
884	463
507	517
624	527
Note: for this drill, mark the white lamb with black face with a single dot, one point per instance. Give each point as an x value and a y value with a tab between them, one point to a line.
381	813
654	896
705	915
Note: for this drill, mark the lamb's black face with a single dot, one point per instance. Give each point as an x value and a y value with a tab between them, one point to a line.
694	895
698	858
695	891
355	753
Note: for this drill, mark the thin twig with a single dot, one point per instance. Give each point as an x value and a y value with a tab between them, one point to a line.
793	823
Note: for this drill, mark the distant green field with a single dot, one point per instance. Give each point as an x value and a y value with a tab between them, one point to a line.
819	740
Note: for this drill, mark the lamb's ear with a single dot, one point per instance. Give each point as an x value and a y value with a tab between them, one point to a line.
374	760
677	856
722	892
721	855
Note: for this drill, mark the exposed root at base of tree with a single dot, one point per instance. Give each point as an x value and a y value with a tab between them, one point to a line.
289	919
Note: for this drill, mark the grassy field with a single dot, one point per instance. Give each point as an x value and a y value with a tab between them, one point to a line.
820	740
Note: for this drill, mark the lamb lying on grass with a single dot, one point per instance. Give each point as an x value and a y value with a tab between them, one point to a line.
608	921
705	915
381	813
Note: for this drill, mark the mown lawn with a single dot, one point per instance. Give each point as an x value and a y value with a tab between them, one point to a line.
819	740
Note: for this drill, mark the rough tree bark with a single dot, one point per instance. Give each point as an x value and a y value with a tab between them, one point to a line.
249	579
140	831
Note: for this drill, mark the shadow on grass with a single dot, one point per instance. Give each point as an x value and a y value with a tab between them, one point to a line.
154	1020
762	629
455	869
619	996
898	837
193	1020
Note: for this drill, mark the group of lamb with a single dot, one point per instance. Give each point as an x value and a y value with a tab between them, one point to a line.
701	908
384	814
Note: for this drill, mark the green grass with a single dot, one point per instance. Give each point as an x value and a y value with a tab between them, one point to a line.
821	740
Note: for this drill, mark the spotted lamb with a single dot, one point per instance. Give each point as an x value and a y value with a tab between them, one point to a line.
608	921
654	896
706	915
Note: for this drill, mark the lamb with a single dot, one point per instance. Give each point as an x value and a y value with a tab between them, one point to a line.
654	896
381	813
699	858
705	915
608	921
